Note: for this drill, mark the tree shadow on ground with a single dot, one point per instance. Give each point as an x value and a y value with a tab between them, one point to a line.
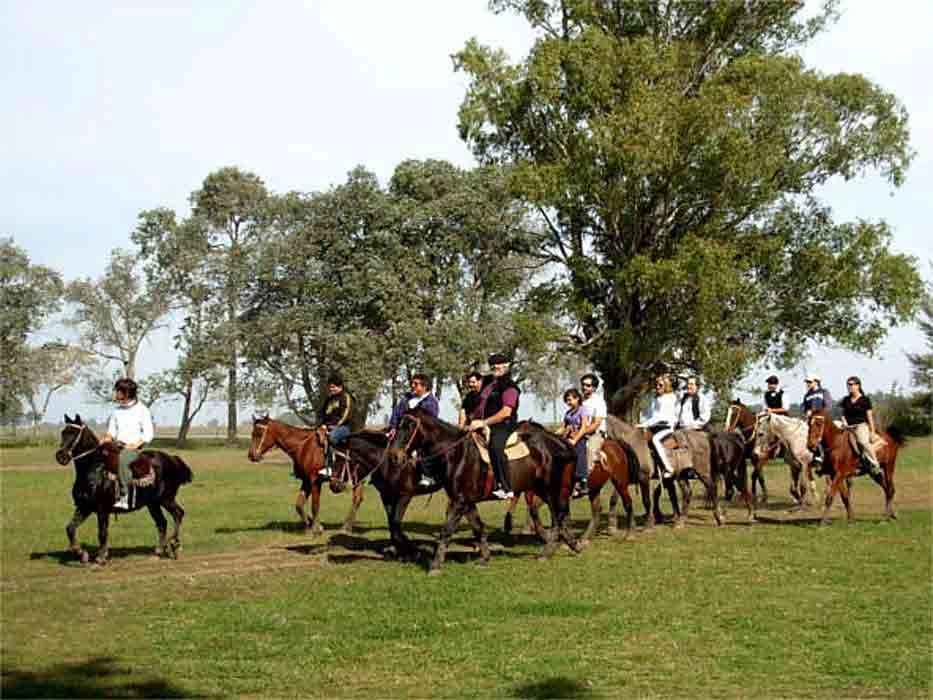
556	687
67	558
100	677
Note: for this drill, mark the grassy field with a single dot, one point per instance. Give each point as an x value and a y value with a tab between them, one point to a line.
780	608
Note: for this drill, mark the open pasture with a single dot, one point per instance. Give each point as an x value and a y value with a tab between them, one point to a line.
257	607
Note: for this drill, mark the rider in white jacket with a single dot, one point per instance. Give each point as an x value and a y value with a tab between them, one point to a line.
660	420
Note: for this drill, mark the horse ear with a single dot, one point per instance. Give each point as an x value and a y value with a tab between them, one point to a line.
78	418
67	419
266	416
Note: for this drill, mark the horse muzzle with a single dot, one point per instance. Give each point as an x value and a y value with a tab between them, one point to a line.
253	457
62	457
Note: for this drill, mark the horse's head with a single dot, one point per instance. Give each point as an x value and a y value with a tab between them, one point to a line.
408	437
732	415
765	439
76	436
817	423
261	441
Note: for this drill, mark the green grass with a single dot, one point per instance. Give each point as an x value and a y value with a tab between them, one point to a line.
256	607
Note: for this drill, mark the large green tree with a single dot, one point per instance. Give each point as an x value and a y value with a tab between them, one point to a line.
28	295
674	153
208	262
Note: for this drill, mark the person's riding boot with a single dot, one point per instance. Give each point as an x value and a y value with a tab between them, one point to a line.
874	469
328	468
581	488
123	501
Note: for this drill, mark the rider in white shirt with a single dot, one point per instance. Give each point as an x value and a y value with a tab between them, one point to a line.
131	425
595	431
660	420
693	412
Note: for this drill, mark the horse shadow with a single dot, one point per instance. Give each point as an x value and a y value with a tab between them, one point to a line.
556	687
793	522
97	678
66	557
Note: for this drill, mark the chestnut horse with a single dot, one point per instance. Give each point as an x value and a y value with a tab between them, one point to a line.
307	449
845	462
454	460
159	477
618	464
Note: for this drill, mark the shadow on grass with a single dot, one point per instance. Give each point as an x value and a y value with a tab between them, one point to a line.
792	522
67	557
101	677
556	687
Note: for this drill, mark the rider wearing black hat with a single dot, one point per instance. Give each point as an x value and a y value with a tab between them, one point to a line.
498	410
774	397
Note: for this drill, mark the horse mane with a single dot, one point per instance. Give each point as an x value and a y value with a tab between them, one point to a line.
897	435
451	431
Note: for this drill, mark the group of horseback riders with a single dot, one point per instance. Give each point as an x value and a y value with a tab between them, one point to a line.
490	406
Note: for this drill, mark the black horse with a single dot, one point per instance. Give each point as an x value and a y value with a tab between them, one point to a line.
157	477
454	460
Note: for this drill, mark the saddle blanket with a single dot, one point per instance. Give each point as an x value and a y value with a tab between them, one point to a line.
514	448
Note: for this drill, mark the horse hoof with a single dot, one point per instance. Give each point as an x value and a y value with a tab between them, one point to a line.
507	525
613	531
679	524
83	557
434	571
99	561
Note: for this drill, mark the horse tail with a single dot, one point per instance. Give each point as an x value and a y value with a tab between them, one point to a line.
634	468
897	435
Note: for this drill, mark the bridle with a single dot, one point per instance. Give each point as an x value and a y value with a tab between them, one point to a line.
414	433
418	428
74	443
820	423
262	439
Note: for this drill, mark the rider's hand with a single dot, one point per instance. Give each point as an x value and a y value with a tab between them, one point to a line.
390	435
478	426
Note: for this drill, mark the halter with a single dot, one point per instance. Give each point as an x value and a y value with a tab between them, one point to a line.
74	443
411	438
262	439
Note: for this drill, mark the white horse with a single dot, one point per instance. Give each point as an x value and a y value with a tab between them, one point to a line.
791	434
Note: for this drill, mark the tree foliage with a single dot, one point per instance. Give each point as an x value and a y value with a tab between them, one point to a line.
208	261
116	313
674	153
425	274
28	295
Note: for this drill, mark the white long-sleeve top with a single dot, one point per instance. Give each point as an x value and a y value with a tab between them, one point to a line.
685	418
663	409
131	424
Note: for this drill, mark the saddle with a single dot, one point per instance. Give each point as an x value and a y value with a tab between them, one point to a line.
877	443
141	471
514	448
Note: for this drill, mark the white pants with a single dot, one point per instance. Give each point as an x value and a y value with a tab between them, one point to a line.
657	439
863	437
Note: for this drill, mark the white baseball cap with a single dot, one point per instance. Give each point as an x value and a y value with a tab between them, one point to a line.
814	378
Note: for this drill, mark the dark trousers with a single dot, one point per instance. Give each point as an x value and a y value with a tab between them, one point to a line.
498	435
582	469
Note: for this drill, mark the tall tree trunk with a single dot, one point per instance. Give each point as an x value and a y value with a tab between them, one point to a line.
231	402
185	417
129	365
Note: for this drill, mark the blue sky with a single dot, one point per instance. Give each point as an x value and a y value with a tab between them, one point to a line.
112	108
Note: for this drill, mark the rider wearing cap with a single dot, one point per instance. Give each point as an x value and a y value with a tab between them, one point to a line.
774	397
336	415
419	396
498	410
816	399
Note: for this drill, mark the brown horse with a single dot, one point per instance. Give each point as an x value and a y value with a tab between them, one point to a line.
845	462
617	464
458	467
740	419
307	449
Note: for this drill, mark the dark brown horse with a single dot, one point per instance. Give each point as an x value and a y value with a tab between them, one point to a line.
362	453
453	458
157	477
845	462
742	420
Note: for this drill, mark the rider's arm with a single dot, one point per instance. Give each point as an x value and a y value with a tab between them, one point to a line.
503	414
706	410
462	419
347	410
871	421
583	431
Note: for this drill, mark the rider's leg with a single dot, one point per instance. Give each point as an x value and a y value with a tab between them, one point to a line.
335	437
863	438
498	435
123	477
658	441
594	444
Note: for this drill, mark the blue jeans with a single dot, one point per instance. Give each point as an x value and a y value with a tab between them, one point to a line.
582	470
337	435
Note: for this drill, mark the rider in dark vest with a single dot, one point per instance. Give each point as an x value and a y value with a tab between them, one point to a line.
498	409
774	397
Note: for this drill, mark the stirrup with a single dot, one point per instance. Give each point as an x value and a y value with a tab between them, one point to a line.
426	481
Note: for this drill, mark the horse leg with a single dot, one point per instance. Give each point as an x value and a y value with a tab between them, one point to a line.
595	511
510	511
155	510
613	512
315	523
300	501
886	482
178	514
103	537
479	532
350	521
845	492
686	491
830	495
440	553
656	507
672	494
536	527
622	489
758	477
72	531
645	488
